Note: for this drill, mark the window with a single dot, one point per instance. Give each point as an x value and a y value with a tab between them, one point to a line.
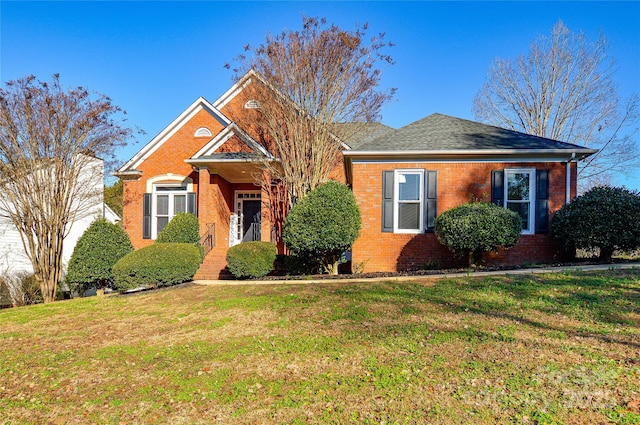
160	206
519	195
169	201
409	201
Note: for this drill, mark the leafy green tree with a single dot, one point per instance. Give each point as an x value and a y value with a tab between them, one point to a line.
113	196
478	227
97	250
324	224
604	218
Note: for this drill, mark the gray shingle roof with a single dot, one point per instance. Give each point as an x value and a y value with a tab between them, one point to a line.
367	133
440	132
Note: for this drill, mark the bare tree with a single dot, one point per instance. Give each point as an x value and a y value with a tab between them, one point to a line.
564	90
315	78
49	141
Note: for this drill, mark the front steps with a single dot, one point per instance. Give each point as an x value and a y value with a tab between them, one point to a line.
214	266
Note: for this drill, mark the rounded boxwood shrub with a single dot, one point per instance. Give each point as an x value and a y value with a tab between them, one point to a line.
605	218
183	228
478	227
324	224
251	259
160	264
97	250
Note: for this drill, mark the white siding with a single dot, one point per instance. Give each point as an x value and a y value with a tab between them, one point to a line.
13	258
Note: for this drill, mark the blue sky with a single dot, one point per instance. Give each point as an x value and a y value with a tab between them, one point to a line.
155	58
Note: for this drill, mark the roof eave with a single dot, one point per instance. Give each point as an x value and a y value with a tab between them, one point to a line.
452	154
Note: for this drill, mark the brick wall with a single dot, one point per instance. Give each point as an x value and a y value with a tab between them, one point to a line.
169	158
458	183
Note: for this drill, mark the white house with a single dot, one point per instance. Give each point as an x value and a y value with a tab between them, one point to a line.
13	258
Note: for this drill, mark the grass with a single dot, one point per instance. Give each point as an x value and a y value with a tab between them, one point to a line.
537	349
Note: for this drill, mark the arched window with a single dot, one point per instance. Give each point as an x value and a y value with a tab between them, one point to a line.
203	132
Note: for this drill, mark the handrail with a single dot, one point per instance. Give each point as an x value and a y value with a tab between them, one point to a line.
208	239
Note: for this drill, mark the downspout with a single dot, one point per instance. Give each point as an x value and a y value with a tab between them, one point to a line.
568	174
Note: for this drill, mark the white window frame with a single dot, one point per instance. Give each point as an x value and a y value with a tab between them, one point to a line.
180	189
396	200
532	195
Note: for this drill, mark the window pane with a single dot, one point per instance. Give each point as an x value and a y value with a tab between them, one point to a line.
522	208
162	221
409	216
179	204
518	186
162	205
409	187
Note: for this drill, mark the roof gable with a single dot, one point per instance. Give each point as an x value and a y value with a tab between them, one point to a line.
155	143
230	133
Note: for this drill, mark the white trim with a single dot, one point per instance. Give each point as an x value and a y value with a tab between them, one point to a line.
222	137
235	89
238	204
171	203
203	132
175	125
175	179
532	195
396	201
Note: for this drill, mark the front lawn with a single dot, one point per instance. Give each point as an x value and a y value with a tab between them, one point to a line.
555	348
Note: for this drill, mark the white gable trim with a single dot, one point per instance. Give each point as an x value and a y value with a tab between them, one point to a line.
235	89
222	137
155	143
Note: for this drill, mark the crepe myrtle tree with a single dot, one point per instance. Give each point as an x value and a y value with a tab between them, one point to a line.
50	138
308	82
324	224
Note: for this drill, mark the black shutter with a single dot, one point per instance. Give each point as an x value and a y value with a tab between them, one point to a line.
387	201
430	199
542	201
146	217
191	203
497	187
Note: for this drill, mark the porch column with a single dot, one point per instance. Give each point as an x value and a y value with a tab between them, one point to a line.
204	193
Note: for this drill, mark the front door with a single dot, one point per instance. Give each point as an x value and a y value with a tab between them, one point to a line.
251	220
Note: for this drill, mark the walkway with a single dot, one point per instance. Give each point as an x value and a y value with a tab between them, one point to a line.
559	269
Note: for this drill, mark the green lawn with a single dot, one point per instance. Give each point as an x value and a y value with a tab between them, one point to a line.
557	348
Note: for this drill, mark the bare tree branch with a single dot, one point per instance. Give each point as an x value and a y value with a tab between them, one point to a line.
317	77
49	141
564	90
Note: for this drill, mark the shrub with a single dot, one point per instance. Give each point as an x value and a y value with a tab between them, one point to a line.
251	259
478	227
157	265
183	228
324	224
604	218
296	265
97	250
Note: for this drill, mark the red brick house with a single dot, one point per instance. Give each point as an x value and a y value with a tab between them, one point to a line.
205	163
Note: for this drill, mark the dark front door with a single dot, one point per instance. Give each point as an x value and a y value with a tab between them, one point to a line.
251	220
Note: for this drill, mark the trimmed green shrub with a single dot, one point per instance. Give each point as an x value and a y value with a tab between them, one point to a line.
251	259
478	227
324	224
183	228
97	250
161	264
604	218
